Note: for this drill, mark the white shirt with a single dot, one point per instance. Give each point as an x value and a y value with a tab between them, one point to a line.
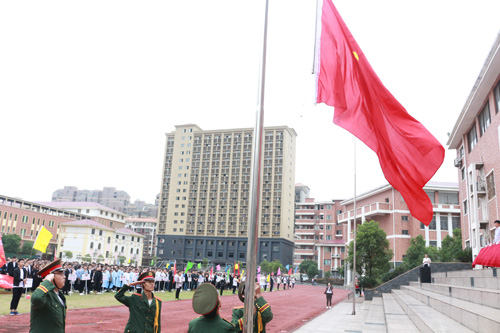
427	261
21	276
497	236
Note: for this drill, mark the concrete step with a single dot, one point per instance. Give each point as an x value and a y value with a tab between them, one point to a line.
356	323
395	317
375	319
486	272
479	318
425	318
487	297
475	282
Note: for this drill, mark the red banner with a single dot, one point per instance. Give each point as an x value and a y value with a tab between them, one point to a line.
6	281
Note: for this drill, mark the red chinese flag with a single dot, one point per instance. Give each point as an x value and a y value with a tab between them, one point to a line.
175	268
408	153
3	261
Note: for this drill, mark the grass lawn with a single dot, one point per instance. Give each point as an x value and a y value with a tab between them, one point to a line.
76	301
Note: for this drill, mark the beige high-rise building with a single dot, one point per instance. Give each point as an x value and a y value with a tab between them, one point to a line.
205	196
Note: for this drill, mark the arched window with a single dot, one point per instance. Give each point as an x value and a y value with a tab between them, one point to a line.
131	251
123	249
109	240
99	246
137	252
91	245
116	248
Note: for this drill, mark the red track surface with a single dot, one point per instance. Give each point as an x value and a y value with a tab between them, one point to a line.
291	309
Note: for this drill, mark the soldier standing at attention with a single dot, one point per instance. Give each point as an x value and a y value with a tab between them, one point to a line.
145	308
206	302
262	315
48	304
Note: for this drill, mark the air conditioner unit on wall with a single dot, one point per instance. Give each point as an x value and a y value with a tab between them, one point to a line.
458	162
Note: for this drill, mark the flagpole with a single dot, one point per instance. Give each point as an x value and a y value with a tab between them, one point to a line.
253	226
354	242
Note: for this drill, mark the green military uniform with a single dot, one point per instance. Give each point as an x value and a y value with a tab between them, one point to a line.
48	311
263	315
142	315
214	324
206	303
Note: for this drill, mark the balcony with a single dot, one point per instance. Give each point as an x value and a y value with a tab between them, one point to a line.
373	209
303	252
304	231
305	222
304	241
335	255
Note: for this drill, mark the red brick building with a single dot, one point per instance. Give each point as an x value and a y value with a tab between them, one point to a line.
386	206
475	137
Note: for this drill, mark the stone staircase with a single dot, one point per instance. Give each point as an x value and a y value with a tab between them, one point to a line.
455	301
458	301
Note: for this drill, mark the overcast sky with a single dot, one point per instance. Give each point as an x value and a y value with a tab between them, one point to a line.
88	89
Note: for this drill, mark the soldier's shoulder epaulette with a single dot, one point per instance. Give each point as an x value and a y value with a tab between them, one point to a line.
264	307
137	294
239	307
158	298
42	288
227	321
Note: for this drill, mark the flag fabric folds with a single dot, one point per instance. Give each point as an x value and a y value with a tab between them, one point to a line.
42	240
290	271
3	260
279	271
408	153
199	265
218	267
6	281
189	266
296	269
287	267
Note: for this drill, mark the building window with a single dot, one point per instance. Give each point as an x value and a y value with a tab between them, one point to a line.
242	255
404	232
93	232
220	254
327	262
484	119
432	225
209	253
444	222
404	218
463	173
433	243
497	97
455	222
472	138
448	198
466	209
490	184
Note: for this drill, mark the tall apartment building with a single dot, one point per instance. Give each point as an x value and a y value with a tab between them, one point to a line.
476	139
108	196
205	196
318	236
386	206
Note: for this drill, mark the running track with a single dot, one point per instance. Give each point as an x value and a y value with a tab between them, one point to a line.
291	309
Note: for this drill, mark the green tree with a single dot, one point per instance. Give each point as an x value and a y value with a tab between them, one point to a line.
275	264
68	254
415	253
86	258
310	267
372	252
27	247
122	259
204	263
265	267
328	274
11	243
451	247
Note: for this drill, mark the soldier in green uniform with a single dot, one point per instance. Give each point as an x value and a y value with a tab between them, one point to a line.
206	302
262	314
48	304
145	308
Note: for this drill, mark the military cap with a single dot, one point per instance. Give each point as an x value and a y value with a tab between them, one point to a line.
205	299
53	267
241	292
146	276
